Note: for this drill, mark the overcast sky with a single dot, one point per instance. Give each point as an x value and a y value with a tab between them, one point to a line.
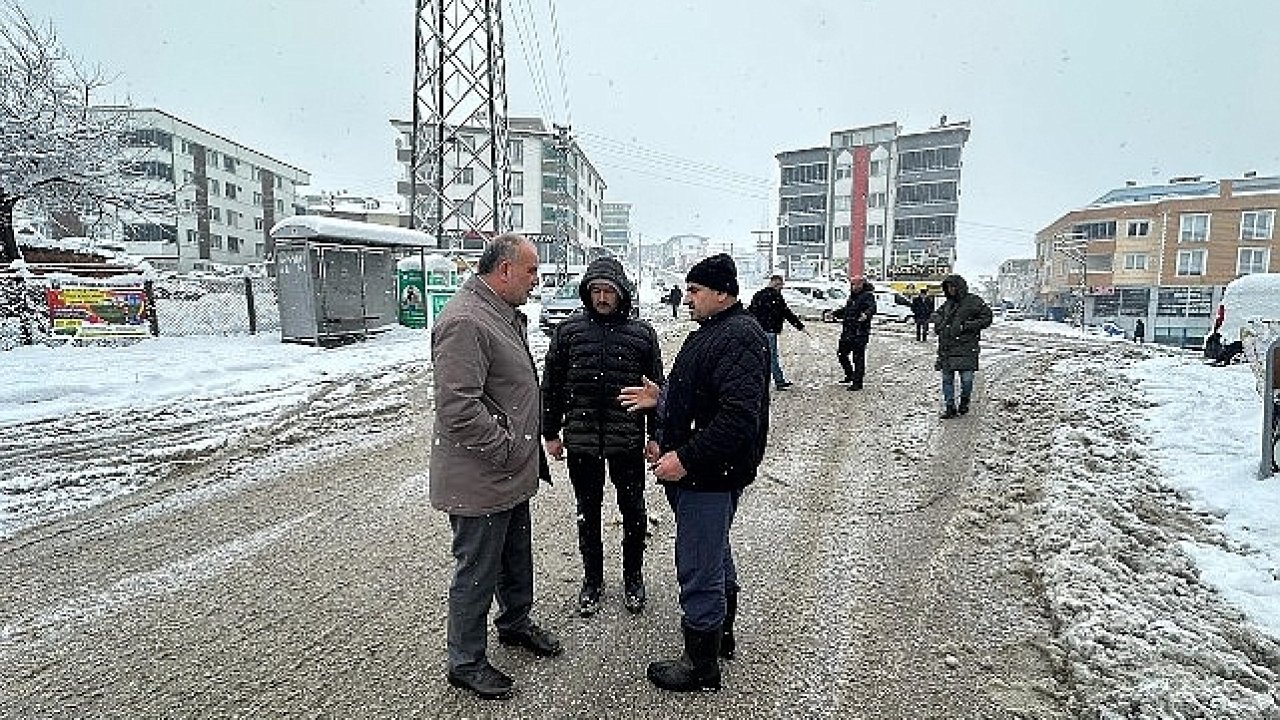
683	105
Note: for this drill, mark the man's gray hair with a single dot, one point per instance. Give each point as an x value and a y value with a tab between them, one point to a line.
504	247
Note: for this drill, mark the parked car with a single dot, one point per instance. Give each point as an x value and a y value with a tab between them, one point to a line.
558	305
815	300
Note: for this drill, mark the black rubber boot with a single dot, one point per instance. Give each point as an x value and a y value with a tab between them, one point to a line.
950	412
964	405
697	669
728	645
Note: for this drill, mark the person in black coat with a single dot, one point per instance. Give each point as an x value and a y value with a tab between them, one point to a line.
855	332
770	309
592	356
673	298
713	420
959	324
922	308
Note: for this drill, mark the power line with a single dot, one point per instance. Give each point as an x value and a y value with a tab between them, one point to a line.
564	85
537	72
741	192
657	157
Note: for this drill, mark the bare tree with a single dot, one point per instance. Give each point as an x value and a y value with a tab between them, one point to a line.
57	151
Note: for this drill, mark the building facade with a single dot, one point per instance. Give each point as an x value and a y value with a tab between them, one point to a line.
227	196
874	201
1016	284
1160	253
615	227
557	195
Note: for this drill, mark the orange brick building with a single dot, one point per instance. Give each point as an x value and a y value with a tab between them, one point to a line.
1162	253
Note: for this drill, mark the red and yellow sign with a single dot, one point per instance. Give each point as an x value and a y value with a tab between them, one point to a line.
86	311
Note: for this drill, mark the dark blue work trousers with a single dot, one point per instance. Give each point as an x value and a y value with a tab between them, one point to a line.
704	560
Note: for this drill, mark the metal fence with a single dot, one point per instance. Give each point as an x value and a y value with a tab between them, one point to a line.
180	306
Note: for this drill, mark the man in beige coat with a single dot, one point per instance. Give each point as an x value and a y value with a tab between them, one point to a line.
486	460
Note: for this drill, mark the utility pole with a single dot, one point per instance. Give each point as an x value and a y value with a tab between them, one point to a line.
459	103
764	245
563	143
1074	248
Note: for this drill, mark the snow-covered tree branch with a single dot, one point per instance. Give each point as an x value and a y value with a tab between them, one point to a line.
57	151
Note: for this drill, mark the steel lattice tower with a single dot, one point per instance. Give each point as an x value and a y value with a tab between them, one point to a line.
459	114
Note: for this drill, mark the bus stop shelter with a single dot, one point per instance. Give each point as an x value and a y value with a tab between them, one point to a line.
336	279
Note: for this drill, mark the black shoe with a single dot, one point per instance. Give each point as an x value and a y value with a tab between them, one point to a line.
634	595
964	406
698	668
855	386
845	380
534	639
588	599
950	412
784	385
485	680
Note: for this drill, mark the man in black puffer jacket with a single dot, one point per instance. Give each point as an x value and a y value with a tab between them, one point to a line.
592	356
959	324
855	333
713	424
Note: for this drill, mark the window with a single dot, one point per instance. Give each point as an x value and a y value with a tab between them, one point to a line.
215	214
1251	260
1135	261
1193	228
257	199
258	250
151	232
1191	262
467	208
944	158
878	167
842	202
257	223
215	188
233	218
1134	301
517	215
192	236
464	176
517	183
234	244
810	174
925	227
150	169
875	200
278	183
215	242
1138	228
1100	230
1256	224
844	172
232	190
229	163
875	232
280	205
805	204
211	156
515	151
840	233
187	176
1184	302
928	193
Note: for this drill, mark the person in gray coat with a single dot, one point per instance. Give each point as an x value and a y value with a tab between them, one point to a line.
486	460
958	324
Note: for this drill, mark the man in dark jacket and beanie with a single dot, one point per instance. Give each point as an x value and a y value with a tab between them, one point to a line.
855	332
592	356
959	324
713	420
922	310
770	309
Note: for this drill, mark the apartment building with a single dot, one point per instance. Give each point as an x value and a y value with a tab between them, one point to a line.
1162	253
874	201
557	196
227	195
615	227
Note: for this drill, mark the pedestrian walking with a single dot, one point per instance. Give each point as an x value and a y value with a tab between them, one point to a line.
1140	331
855	333
713	419
486	461
922	308
592	356
770	309
959	324
673	298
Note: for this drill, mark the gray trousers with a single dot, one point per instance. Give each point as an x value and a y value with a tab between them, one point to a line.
493	554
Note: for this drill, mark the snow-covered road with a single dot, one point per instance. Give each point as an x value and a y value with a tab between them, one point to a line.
1048	556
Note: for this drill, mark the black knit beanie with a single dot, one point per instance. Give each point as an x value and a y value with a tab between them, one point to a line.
716	273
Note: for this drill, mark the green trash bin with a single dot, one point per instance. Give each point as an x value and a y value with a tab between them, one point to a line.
412	291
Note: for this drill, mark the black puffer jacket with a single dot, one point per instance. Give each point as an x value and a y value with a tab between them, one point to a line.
770	309
590	359
715	408
959	324
855	316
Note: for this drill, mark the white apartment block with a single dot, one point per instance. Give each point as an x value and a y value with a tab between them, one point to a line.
227	195
557	196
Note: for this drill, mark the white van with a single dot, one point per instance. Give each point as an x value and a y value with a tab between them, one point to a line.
1250	309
